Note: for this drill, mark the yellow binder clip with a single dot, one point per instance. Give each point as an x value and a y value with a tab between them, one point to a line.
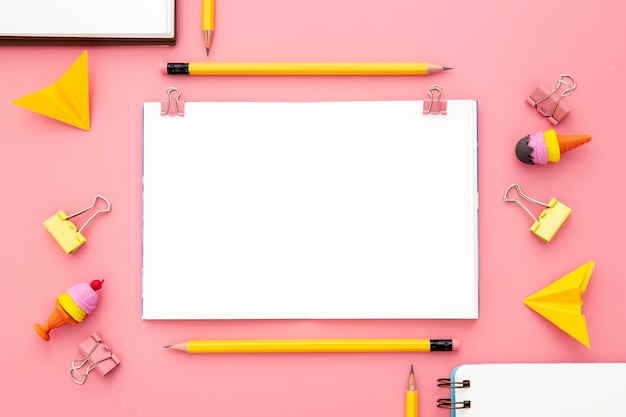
550	219
67	235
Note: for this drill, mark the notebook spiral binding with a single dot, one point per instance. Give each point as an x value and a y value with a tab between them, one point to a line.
448	403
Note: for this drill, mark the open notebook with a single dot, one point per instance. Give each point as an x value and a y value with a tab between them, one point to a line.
536	389
310	210
86	22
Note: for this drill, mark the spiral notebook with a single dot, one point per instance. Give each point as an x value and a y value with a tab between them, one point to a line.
536	389
327	210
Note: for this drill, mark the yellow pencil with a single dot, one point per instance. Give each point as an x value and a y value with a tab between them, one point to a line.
329	345
411	396
302	68
208	22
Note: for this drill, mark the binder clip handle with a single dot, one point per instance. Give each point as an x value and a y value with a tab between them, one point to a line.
435	98
95	200
173	96
571	86
519	203
568	91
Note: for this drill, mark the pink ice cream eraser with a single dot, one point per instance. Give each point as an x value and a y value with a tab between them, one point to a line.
84	296
538	143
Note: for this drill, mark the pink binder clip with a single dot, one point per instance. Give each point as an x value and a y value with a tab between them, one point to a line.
435	105
96	355
173	106
548	103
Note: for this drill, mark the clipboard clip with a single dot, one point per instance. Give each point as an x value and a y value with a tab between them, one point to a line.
67	235
97	356
441	106
548	103
173	106
551	218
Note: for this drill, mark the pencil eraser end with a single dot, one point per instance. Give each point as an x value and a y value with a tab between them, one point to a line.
163	68
456	344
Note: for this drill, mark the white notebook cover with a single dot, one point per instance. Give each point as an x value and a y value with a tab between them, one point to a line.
88	19
541	389
329	210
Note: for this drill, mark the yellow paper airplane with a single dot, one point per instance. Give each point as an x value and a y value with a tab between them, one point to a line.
561	301
67	100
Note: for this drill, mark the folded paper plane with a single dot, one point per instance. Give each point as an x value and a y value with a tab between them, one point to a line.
561	302
66	100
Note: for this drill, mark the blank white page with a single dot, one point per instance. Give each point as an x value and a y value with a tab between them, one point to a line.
88	18
310	210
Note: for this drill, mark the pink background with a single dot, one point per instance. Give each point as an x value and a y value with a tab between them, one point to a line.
500	52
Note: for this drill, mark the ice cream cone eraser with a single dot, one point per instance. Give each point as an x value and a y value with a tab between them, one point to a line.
71	307
543	147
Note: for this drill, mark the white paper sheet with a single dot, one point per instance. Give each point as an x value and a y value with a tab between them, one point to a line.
310	210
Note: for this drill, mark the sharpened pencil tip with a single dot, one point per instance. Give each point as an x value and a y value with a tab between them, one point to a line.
447	68
411	369
167	347
207	51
